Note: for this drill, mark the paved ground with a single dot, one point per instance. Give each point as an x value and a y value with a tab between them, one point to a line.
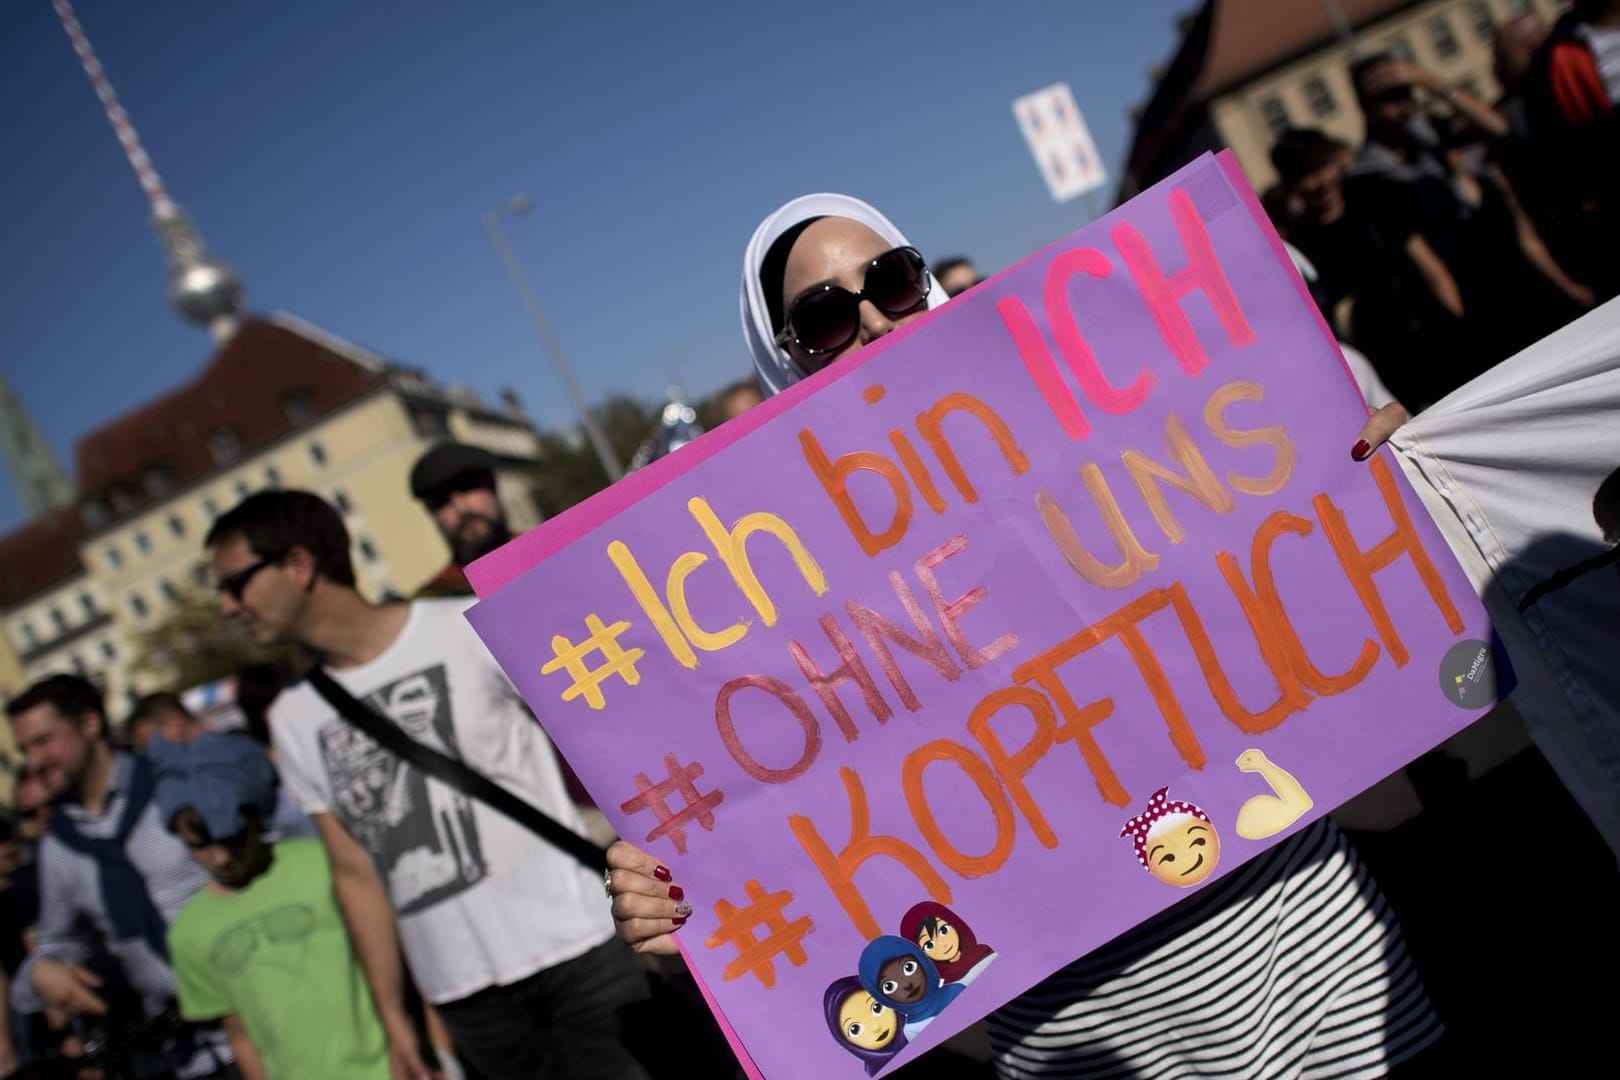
1509	899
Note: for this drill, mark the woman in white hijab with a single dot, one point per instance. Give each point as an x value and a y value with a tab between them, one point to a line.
1291	965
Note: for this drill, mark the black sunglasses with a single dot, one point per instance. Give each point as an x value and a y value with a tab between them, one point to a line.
828	317
234	585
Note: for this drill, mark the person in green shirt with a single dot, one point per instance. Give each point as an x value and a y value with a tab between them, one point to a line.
262	947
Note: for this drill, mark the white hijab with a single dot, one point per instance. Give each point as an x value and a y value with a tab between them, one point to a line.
775	367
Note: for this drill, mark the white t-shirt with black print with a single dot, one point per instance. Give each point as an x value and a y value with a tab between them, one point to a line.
480	900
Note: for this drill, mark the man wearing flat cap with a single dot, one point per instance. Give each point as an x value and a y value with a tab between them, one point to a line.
456	483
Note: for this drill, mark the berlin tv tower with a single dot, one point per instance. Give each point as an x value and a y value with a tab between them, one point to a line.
203	289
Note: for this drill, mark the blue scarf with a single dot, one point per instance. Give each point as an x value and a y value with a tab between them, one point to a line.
129	907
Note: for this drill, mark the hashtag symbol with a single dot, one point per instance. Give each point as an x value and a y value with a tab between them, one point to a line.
588	680
655	797
754	956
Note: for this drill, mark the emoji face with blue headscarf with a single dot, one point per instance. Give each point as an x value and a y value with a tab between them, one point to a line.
899	975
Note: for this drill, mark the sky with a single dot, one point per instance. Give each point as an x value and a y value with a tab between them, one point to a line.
339	156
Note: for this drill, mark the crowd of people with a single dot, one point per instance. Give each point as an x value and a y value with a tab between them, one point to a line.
325	893
1460	232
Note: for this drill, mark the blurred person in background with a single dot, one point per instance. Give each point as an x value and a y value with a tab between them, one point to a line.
455	483
261	947
738	398
507	937
161	714
1381	285
111	874
955	274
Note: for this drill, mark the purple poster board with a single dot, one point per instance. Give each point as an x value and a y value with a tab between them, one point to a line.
938	625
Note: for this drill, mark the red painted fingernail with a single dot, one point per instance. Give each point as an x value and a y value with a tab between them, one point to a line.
677	893
678	923
1361	450
662	873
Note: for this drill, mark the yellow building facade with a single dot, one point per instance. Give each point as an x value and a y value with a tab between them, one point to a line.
350	427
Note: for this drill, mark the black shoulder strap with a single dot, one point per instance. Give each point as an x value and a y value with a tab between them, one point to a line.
455	773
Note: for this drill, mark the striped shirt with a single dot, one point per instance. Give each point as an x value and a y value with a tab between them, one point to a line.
1291	966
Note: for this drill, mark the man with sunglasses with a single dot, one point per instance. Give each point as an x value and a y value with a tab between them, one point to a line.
110	875
456	484
261	947
507	937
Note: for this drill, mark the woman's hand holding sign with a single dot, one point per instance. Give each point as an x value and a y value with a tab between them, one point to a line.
647	907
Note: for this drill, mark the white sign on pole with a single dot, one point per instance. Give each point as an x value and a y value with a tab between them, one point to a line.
1058	137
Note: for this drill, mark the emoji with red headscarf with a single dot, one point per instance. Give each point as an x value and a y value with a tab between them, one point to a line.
948	941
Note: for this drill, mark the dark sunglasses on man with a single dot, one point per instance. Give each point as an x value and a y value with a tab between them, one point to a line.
828	317
234	585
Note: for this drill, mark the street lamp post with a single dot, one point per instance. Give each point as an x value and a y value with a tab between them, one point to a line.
548	342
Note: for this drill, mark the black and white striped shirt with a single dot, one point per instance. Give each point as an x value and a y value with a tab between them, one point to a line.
1291	966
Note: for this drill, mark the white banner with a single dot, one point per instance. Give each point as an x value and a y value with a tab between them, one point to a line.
1060	141
1526	459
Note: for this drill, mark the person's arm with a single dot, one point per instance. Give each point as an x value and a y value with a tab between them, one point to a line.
1535	248
1435	274
53	976
1399	73
242	1049
364	905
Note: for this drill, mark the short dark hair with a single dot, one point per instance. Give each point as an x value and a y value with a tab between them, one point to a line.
1298	152
152	706
70	695
949	263
275	522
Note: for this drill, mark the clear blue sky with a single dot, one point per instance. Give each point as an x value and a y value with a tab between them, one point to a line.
339	154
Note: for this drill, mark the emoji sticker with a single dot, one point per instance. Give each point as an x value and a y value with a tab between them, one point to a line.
863	1025
1175	841
1268	815
948	941
898	974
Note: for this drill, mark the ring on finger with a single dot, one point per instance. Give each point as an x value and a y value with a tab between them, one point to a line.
607	883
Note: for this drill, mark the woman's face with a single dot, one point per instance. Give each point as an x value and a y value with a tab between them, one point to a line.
865	1022
835	251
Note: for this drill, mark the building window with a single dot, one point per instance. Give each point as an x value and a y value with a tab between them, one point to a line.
210	508
367	552
1521	7
1275	114
317	454
1440	36
137	605
58	621
30	639
87	605
242	490
272	476
1320	97
76	664
108	650
225	445
143	543
177	528
199	575
340	499
1399	48
170	593
115	560
1479	17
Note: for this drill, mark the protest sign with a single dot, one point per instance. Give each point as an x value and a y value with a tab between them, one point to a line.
952	630
1060	142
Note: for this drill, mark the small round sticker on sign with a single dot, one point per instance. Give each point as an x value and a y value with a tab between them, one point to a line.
1468	675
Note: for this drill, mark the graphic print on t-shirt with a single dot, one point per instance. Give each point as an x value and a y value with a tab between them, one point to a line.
421	834
278	937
